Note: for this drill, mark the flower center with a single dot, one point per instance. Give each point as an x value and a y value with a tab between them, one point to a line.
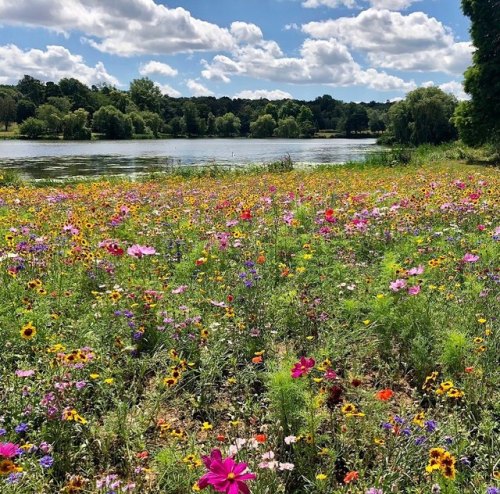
231	476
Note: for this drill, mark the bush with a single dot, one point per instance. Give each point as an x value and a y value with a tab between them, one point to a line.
284	164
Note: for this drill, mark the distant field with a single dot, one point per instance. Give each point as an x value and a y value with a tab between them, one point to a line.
332	330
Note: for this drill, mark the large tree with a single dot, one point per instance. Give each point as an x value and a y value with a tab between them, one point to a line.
423	117
478	120
8	111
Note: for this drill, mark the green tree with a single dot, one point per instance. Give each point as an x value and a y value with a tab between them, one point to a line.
138	123
52	117
355	119
8	111
32	89
478	122
376	121
32	128
25	109
111	122
146	95
263	127
287	128
211	124
305	119
288	109
271	109
228	125
63	104
191	119
75	126
153	122
424	116
78	93
176	127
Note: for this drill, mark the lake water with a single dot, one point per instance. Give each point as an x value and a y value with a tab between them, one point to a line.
59	159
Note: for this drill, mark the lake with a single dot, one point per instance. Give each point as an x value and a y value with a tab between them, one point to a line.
60	159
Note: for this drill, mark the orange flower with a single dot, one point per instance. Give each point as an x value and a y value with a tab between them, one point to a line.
257	360
351	476
469	370
261	259
384	394
261	438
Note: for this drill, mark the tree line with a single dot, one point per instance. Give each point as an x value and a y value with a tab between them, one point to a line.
75	111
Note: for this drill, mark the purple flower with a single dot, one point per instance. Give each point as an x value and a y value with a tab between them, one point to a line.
373	490
46	461
22	428
430	425
420	440
492	490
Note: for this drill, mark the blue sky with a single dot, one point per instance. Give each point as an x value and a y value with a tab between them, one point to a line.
355	50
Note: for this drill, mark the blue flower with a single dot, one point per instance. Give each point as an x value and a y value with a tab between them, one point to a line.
21	428
46	461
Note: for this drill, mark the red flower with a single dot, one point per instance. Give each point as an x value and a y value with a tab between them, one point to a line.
384	394
261	438
246	214
303	367
329	216
351	476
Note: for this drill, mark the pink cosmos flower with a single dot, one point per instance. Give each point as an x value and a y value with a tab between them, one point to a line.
24	373
414	290
470	257
398	285
8	450
140	250
180	289
303	367
225	475
330	374
414	271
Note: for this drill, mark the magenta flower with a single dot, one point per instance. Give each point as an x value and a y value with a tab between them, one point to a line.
140	250
225	475
414	271
470	258
302	367
8	450
398	285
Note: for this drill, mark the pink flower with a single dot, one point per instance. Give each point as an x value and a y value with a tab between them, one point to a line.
398	285
180	289
470	258
140	250
8	450
414	271
414	290
225	475
303	367
330	374
24	373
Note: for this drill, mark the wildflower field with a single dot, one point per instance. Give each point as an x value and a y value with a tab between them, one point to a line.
332	330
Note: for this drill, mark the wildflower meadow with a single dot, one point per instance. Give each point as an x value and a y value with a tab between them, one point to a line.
325	330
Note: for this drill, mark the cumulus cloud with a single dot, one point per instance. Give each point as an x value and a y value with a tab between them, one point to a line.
168	90
275	94
312	4
198	89
53	64
159	68
414	42
453	87
246	33
378	4
320	62
134	27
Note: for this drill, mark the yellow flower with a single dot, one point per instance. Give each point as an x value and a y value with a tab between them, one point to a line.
28	331
207	426
109	380
321	476
94	376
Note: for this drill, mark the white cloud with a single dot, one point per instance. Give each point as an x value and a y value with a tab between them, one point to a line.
312	4
378	4
453	87
198	89
275	94
246	33
320	62
154	67
292	26
168	90
414	42
126	28
391	4
53	64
